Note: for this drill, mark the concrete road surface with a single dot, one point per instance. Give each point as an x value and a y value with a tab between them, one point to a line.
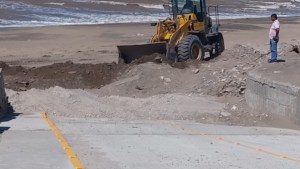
179	145
26	142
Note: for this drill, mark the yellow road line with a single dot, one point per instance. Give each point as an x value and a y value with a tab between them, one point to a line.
238	144
66	147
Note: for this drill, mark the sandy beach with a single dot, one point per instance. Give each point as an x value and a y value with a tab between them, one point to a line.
81	57
109	112
97	43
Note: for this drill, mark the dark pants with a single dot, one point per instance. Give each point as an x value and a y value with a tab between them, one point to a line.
273	48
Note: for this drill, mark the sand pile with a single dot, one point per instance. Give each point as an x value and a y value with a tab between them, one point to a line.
149	88
148	76
224	75
288	50
150	79
82	104
221	76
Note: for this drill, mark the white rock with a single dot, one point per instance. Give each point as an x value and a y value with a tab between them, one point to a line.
162	78
225	114
196	71
234	69
234	108
168	80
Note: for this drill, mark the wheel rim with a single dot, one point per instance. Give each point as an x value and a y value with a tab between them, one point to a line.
196	51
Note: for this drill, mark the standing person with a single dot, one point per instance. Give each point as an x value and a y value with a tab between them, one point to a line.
274	38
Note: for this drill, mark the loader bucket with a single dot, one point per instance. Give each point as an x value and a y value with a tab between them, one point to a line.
129	53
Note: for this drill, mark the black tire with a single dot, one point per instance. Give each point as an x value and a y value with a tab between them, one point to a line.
220	44
190	47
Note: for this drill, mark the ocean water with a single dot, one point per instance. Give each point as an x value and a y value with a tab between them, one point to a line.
28	13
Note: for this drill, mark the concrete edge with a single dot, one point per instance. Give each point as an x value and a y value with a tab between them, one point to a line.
268	96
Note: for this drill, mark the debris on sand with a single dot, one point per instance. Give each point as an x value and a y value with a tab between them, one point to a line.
288	49
149	84
223	75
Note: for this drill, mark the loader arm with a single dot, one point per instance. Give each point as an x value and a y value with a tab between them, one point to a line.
181	32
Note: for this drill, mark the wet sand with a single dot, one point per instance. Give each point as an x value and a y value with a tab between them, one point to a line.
97	43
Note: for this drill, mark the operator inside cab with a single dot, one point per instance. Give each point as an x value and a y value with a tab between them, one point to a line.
188	7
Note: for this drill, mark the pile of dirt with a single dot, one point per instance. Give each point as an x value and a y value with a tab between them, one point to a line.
227	74
287	49
147	76
220	76
73	76
67	75
83	104
143	89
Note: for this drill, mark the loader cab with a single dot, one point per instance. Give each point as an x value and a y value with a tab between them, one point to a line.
182	7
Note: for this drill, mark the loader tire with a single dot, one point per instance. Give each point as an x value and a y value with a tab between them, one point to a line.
221	44
190	47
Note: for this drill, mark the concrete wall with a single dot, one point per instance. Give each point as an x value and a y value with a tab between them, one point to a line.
3	97
268	96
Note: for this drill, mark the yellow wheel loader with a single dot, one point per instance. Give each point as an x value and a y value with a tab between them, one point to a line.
192	31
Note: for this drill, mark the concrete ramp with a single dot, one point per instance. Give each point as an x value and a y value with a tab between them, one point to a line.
26	141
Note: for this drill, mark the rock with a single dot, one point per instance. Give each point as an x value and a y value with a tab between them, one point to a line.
225	114
295	49
196	71
139	88
162	78
22	88
168	80
69	62
242	90
72	72
227	90
25	83
276	72
46	56
225	59
234	108
158	59
234	69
